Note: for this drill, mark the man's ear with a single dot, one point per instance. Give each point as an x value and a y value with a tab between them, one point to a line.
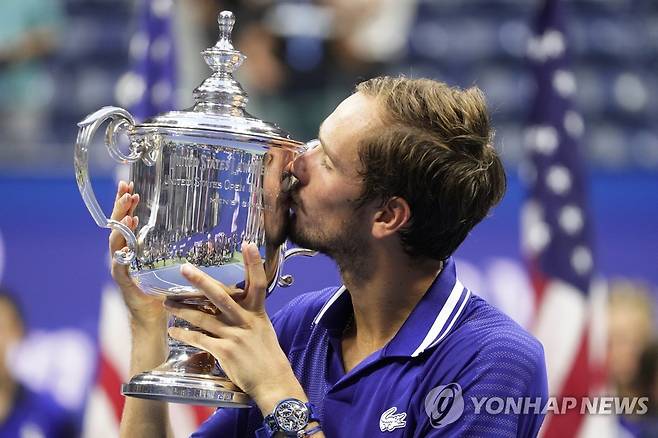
393	215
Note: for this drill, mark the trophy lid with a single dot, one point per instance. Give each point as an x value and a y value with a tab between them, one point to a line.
220	100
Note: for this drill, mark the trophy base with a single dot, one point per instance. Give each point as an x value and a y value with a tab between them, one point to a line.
177	388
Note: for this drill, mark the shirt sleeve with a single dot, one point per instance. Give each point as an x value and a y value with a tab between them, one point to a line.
500	391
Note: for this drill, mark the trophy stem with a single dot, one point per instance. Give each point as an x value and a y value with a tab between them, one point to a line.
189	375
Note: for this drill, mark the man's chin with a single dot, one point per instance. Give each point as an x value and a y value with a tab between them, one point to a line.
301	239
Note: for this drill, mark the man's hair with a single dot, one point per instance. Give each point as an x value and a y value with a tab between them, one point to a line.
435	151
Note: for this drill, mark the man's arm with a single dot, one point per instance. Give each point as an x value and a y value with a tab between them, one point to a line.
148	323
145	418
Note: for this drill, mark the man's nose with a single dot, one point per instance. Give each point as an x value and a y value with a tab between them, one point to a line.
292	173
299	166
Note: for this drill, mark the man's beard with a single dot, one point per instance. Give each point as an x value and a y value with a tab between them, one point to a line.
349	248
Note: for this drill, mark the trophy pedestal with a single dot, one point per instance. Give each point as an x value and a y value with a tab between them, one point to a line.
189	375
177	388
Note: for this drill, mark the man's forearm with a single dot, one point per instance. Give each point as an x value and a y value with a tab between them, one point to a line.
146	418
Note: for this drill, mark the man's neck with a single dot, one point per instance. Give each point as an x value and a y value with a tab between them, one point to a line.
385	300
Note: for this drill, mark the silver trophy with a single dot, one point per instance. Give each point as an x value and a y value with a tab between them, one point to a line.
209	178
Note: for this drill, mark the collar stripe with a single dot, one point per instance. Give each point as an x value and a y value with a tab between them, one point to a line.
441	318
328	304
455	313
454	319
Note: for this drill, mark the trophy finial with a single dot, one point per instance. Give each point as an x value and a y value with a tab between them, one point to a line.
226	20
222	57
221	91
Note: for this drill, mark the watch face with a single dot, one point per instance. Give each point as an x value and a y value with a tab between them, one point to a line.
291	415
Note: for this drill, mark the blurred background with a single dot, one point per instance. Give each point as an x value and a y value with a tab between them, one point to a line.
63	59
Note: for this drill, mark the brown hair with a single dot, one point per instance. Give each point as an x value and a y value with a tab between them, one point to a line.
436	152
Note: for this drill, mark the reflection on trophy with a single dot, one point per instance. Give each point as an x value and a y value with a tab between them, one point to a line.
210	177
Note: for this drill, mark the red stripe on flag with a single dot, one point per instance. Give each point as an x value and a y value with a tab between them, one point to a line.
539	283
576	385
201	413
110	382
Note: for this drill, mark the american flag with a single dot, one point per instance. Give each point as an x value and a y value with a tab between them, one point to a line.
556	227
154	60
148	89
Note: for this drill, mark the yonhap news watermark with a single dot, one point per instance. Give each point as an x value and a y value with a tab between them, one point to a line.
445	404
554	405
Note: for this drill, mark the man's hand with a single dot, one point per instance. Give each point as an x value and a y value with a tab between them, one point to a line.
145	310
240	335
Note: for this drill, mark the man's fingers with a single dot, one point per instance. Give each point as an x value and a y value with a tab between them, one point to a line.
117	241
216	292
236	293
196	339
124	207
121	206
125	202
256	283
134	200
122	188
198	318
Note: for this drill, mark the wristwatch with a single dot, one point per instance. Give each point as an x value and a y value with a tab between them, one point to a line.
290	417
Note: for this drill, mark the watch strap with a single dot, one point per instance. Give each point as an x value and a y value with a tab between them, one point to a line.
312	431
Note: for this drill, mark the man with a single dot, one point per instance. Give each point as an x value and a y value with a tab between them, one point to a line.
24	413
402	172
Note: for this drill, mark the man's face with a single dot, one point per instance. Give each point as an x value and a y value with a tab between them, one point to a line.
324	214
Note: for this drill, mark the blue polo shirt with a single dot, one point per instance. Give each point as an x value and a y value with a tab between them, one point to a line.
456	367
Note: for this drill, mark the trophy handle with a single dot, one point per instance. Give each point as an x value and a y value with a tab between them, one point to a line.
287	280
276	259
120	120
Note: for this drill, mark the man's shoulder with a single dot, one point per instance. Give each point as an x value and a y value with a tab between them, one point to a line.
494	331
486	356
491	329
487	345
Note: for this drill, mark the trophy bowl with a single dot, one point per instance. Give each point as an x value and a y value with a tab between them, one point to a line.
209	178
